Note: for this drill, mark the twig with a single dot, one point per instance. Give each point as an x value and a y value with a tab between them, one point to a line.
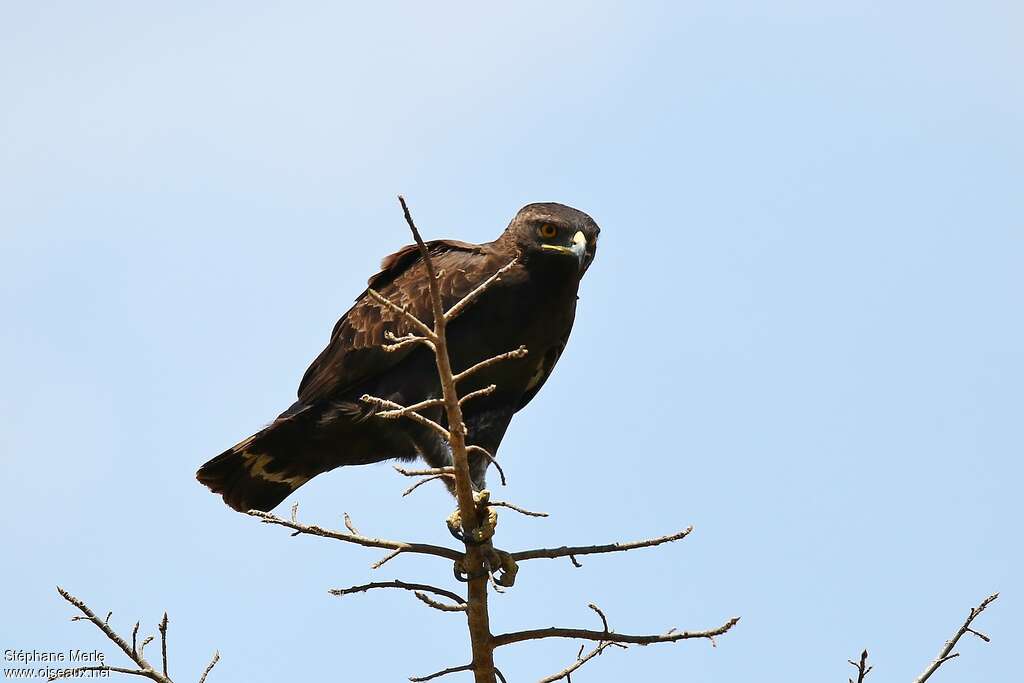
145	669
551	553
425	472
461	306
163	641
581	659
416	587
313	530
438	674
404	412
486	391
421	482
521	352
553	632
426	599
494	461
416	417
209	667
862	667
390	556
945	654
404	312
510	506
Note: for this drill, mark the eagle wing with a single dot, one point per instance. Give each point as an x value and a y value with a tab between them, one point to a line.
354	353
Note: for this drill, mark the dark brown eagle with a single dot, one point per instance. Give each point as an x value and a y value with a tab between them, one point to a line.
532	305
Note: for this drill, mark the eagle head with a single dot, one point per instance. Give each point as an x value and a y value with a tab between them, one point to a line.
554	232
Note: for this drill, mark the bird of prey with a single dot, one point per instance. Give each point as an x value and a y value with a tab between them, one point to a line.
533	304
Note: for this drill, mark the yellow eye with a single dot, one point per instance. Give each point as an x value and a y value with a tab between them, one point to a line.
547	231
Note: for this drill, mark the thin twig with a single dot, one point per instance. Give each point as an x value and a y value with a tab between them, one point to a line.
404	312
163	641
390	406
461	306
426	599
581	659
510	506
438	674
313	530
209	667
145	668
862	667
399	584
551	553
521	352
553	632
429	472
423	481
494	461
945	654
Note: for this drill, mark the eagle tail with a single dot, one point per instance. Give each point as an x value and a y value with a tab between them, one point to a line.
242	479
306	440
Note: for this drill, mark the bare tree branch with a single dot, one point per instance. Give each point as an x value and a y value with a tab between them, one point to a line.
438	674
313	530
423	481
510	506
163	641
521	352
494	461
862	667
395	411
553	632
551	553
426	599
947	653
461	306
474	561
581	659
418	588
209	667
133	652
404	312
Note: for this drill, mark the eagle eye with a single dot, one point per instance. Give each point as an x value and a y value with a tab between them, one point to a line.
547	231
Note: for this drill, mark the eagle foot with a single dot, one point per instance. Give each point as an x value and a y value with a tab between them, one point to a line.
488	517
502	561
459	570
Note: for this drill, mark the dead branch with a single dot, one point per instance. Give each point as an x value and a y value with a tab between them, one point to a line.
209	667
416	588
584	634
404	312
400	546
494	461
445	672
552	553
474	562
421	482
521	352
947	653
510	506
145	669
426	599
429	472
395	411
581	659
862	667
461	306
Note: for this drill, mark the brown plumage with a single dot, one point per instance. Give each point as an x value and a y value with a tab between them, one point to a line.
533	305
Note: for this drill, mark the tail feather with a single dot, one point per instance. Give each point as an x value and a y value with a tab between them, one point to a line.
242	478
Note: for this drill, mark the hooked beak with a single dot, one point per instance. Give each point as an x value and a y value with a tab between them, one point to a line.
578	248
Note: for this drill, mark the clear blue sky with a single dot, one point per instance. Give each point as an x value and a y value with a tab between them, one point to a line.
802	333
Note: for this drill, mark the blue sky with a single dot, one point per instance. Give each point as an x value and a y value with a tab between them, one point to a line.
802	333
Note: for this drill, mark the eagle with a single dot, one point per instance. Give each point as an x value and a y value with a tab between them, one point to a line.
532	304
